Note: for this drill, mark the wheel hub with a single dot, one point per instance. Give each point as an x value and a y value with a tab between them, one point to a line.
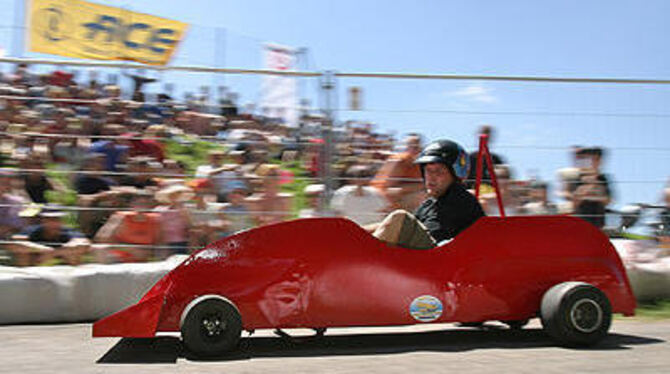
586	315
213	326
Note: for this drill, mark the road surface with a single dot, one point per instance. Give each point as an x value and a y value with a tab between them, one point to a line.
633	346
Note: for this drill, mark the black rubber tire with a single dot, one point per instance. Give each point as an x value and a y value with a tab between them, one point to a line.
516	324
220	337
576	314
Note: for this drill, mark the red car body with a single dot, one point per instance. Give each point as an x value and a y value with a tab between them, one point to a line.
329	272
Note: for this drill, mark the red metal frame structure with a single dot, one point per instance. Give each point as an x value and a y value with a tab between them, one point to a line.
485	154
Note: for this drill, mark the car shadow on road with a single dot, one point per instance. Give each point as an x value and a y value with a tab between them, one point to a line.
169	349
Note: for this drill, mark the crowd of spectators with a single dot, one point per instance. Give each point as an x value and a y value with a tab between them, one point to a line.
89	175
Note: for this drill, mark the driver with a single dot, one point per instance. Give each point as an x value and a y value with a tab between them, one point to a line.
449	208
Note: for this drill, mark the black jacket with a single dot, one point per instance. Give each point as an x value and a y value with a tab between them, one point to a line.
449	214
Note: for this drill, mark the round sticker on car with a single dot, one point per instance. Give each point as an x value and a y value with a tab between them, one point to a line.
426	308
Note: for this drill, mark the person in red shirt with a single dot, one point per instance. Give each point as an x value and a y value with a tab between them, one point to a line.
144	147
138	227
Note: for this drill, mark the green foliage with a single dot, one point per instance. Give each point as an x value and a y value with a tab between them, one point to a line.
191	152
194	153
65	198
68	197
658	309
297	187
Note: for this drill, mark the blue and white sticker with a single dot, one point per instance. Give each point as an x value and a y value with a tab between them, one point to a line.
426	308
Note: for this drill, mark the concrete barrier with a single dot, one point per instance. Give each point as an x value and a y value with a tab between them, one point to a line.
647	266
75	294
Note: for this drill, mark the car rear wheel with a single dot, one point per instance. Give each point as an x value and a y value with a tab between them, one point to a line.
576	314
211	327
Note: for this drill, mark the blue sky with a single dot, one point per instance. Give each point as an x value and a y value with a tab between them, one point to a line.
568	39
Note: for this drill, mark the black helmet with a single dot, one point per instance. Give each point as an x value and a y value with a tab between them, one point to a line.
446	152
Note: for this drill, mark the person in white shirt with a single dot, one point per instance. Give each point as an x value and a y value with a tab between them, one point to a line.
218	173
358	201
313	194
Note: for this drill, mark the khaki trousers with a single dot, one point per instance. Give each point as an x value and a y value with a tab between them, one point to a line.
401	228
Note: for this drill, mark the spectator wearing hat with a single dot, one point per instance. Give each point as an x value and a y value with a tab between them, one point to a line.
356	200
47	240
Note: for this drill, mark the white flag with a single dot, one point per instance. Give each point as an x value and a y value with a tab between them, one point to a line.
279	93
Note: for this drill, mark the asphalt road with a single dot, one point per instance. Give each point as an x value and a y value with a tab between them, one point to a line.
633	346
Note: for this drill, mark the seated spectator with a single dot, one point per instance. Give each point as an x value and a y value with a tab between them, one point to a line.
174	218
510	202
207	220
218	173
35	181
114	153
539	203
313	194
23	146
10	207
144	146
358	201
399	179
47	240
91	182
93	192
71	150
236	213
139	230
139	173
170	172
270	205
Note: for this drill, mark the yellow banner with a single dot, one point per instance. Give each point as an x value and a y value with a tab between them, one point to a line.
76	28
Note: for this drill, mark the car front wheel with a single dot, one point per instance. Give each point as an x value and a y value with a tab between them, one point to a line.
576	313
211	327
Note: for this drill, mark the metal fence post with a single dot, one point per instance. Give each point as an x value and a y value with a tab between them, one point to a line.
328	86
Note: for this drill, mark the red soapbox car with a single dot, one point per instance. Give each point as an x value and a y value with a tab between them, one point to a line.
329	272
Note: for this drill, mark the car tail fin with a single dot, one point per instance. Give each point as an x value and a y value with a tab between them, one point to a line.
137	321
